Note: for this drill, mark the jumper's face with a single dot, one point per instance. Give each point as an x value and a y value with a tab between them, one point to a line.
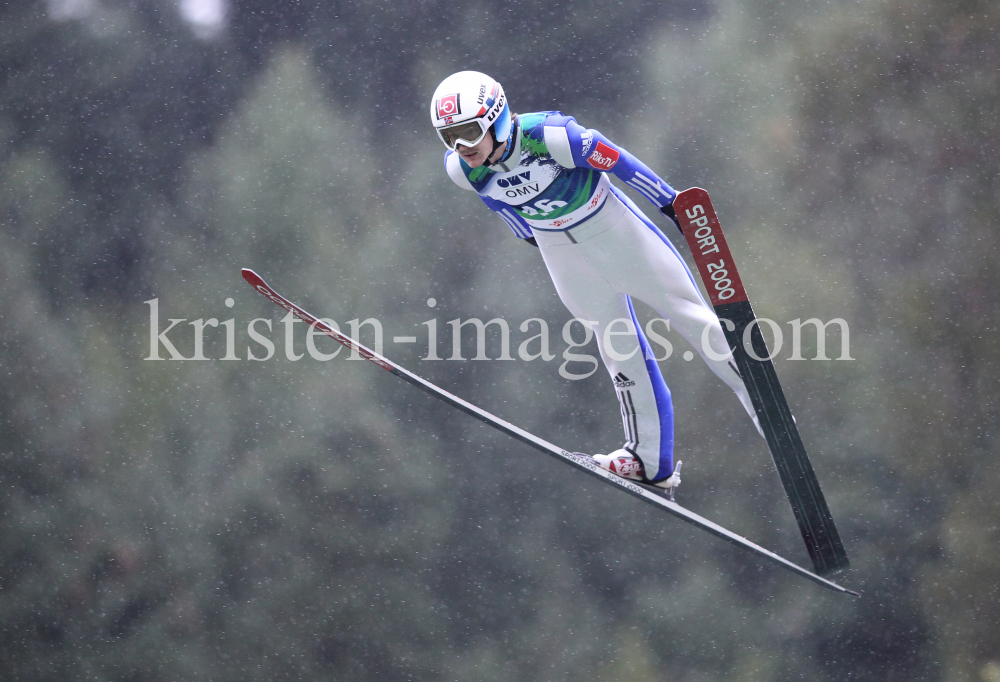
476	156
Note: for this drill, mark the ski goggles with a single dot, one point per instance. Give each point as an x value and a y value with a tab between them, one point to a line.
469	134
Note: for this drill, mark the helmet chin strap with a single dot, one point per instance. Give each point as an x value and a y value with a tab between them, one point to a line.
496	145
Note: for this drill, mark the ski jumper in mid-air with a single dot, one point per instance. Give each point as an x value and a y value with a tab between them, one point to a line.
548	178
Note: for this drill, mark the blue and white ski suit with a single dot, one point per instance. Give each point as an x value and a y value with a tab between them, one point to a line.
601	250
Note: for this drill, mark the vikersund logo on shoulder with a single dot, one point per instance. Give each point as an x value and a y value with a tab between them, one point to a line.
604	157
448	106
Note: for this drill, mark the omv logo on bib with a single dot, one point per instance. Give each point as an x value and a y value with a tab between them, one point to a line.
514	180
518	185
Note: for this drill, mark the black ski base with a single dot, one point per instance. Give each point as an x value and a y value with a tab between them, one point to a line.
794	468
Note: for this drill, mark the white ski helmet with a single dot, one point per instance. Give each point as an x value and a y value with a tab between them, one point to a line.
466	106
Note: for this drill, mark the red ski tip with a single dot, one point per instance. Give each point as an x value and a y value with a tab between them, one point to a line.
252	278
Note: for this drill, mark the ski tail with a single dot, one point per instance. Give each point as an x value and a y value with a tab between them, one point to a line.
703	231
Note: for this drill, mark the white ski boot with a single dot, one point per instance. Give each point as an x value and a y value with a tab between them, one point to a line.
627	465
623	463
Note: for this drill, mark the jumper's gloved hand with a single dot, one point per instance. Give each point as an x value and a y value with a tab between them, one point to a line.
668	211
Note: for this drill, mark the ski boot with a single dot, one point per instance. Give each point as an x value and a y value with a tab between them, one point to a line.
627	465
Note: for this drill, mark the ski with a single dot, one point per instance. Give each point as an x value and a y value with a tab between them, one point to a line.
580	461
703	232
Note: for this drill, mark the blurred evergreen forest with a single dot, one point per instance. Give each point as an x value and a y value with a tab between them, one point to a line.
278	520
